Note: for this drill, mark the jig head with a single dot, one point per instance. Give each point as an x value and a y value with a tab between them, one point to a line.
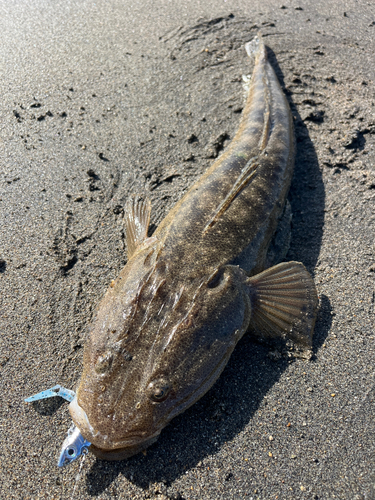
74	444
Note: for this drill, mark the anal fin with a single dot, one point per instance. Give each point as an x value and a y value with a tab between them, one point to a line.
137	220
284	303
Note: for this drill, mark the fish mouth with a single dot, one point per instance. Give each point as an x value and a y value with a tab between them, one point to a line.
102	444
125	452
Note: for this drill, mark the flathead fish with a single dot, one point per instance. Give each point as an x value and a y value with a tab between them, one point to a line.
168	324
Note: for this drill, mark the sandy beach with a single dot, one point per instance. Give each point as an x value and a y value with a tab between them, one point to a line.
100	100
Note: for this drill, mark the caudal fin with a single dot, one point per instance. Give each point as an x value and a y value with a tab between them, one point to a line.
284	303
255	48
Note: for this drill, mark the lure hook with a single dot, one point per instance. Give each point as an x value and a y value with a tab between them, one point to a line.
74	444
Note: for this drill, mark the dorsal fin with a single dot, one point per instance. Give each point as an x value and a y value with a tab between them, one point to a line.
137	220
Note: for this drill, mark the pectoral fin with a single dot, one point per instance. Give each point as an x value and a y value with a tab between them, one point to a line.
284	303
137	220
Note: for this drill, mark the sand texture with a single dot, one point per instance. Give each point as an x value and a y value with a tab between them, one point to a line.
107	98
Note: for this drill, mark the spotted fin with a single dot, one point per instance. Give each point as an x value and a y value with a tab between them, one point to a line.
284	303
137	220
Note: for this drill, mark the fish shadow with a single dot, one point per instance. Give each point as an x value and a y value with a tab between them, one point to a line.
231	403
215	419
307	199
200	431
307	193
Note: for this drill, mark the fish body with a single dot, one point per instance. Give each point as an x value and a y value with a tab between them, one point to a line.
166	327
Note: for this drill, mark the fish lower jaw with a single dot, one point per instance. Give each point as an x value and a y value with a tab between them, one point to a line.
124	452
102	445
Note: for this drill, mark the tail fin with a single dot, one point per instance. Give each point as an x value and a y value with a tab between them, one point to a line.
256	48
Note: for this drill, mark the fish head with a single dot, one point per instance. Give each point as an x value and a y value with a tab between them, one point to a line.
153	350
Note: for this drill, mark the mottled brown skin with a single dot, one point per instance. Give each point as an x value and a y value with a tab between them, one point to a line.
168	324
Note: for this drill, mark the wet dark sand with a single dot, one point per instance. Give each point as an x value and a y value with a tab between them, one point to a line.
102	99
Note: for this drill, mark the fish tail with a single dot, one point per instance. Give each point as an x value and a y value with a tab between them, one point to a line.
256	48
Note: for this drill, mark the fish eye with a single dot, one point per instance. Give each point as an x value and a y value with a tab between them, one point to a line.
158	390
216	279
